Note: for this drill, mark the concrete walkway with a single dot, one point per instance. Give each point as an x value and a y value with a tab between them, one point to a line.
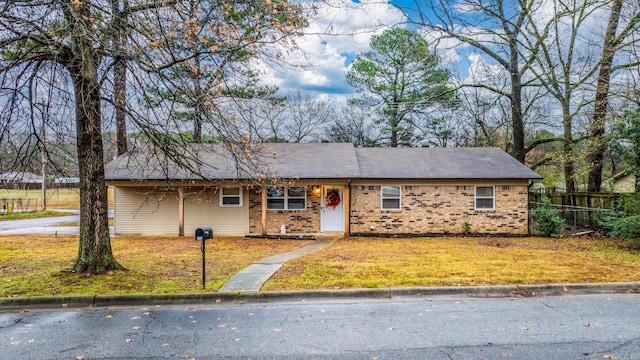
253	277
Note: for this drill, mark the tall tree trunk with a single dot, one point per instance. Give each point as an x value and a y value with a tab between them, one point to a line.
569	163
394	122
94	252
597	141
120	93
120	76
516	102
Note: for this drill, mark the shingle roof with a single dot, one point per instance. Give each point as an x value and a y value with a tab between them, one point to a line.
441	163
327	161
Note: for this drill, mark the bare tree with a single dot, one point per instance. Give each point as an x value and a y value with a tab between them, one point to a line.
495	29
76	38
354	124
563	67
614	40
306	116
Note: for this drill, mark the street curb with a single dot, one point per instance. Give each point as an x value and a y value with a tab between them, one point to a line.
497	291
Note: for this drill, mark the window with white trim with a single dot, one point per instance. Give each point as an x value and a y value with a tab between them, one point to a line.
287	198
231	196
484	198
390	198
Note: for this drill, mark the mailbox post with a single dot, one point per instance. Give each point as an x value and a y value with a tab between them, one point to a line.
202	234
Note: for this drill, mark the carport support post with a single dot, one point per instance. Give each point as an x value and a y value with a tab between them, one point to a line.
180	211
264	210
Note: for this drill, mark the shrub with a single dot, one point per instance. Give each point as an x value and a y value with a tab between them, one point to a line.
628	228
606	220
546	219
623	221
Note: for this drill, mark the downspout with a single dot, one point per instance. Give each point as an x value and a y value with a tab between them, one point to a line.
349	208
529	232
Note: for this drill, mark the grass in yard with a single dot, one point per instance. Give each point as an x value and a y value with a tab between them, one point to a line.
37	264
33	215
374	263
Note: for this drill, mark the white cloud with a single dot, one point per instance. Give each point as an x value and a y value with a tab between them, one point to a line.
337	32
468	6
482	72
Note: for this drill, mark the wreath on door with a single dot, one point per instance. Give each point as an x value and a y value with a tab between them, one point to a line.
333	199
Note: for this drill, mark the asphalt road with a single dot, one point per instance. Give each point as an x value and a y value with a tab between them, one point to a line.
50	225
440	327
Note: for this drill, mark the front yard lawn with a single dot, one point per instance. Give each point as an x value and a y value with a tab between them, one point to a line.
35	265
455	261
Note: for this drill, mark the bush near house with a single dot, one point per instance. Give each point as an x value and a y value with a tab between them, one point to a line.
546	219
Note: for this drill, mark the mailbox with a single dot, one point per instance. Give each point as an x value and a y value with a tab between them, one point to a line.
204	233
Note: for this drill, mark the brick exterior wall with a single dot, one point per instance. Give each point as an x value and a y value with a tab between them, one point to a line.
440	209
296	221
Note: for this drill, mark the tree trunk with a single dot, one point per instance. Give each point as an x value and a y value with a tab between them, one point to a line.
94	252
516	103
569	163
597	141
120	92
120	77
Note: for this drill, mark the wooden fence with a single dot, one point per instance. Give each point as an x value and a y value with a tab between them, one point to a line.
580	210
587	200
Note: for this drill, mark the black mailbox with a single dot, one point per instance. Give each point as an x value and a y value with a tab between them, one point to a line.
204	233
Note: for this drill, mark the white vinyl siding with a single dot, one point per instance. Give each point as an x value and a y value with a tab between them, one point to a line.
151	212
204	210
145	211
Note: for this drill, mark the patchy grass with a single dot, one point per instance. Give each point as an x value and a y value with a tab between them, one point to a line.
374	263
32	215
56	198
38	265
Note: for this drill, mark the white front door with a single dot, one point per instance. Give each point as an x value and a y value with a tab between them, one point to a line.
332	215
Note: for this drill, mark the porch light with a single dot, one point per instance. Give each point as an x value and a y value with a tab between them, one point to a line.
316	189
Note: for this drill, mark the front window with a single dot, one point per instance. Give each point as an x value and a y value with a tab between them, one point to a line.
287	198
484	199
231	196
390	197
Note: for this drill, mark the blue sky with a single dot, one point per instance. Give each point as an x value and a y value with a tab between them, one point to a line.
335	36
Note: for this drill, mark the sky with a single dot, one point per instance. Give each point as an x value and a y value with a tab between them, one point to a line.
342	29
337	33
